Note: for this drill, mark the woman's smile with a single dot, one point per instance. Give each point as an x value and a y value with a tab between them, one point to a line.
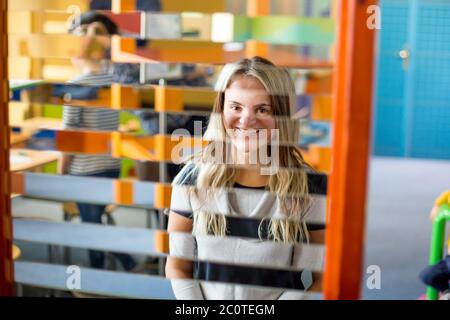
247	132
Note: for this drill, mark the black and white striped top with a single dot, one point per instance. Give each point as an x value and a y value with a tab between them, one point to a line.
239	264
99	119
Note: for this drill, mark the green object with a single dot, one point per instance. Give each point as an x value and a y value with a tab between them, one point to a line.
51	168
437	243
125	116
242	30
294	30
125	168
52	111
284	30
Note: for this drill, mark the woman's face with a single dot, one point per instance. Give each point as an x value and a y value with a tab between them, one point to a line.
247	114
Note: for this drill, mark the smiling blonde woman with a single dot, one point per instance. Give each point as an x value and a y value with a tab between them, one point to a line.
236	212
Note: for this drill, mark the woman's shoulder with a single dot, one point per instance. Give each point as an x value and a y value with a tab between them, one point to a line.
187	175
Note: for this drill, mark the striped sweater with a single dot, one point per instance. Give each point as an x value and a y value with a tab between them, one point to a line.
244	264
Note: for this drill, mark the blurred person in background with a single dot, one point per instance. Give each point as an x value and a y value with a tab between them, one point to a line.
95	72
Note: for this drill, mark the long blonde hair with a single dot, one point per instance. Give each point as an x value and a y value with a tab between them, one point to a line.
291	186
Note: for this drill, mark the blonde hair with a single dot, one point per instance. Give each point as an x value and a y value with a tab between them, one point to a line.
291	186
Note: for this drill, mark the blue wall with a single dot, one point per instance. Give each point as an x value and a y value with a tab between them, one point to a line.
412	113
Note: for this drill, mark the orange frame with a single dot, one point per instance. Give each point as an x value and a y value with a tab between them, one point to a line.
352	89
6	259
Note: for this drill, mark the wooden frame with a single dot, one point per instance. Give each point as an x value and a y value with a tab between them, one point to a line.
6	254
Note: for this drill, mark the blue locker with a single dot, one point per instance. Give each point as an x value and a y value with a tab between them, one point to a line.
412	105
390	82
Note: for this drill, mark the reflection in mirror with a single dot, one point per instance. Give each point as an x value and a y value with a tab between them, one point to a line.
130	284
55	70
91	143
217	27
298	7
252	93
141	122
146	193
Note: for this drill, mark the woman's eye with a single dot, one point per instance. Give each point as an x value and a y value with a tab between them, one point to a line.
264	110
235	107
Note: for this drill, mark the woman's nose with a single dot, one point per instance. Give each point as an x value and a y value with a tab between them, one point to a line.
247	118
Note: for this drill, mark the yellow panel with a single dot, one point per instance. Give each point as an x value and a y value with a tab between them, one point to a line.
36	69
20	22
201	23
193	6
19	67
18	112
50	27
199	98
56	16
37	5
25	22
43	69
56	22
58	72
37	22
44	45
180	44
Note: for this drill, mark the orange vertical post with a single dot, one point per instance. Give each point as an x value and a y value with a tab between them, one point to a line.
168	99
123	192
117	44
352	89
118	6
6	259
124	97
258	7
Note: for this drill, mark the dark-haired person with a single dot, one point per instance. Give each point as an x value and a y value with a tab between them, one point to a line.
95	72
